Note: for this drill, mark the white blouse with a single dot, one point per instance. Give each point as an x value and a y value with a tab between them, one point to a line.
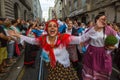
98	39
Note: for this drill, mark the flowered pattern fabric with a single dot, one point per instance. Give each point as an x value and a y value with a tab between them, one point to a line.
61	73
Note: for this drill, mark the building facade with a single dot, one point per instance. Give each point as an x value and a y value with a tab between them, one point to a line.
14	9
65	8
86	10
58	8
70	8
50	13
37	10
111	8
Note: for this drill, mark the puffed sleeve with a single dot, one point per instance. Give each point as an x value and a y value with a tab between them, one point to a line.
28	40
86	36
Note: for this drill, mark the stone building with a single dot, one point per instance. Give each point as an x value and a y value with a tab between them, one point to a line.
86	10
111	8
70	8
65	8
14	9
58	8
37	10
50	13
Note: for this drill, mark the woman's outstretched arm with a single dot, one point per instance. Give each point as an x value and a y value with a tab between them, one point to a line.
83	38
23	38
28	40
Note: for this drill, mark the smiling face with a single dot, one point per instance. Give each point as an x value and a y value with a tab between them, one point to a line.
70	25
52	29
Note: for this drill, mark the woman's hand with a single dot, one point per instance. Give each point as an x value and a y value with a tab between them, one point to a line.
13	33
110	47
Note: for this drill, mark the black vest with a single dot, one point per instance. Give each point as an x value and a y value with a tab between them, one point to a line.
74	32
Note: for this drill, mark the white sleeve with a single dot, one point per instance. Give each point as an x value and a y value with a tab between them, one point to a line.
83	38
28	40
60	22
118	37
75	39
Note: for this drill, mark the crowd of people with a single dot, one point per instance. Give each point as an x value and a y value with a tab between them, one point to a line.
72	50
10	47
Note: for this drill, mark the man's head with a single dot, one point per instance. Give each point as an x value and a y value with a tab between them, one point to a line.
70	25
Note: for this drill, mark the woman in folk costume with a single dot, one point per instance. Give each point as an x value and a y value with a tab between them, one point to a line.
30	50
97	62
54	45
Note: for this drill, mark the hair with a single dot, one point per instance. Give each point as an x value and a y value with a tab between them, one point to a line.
66	18
79	23
75	19
30	26
88	23
98	16
7	23
2	19
40	24
116	27
13	22
60	19
70	21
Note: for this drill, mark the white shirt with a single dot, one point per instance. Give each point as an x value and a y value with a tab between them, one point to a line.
11	41
98	39
69	31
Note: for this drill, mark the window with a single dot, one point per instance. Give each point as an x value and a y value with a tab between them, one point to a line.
65	2
93	16
102	13
70	8
60	3
60	11
75	4
83	3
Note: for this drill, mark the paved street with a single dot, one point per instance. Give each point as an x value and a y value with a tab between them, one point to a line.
20	72
14	70
31	73
114	75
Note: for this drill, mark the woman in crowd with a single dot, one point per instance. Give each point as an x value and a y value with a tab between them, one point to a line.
97	62
3	47
30	50
10	44
117	51
54	46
